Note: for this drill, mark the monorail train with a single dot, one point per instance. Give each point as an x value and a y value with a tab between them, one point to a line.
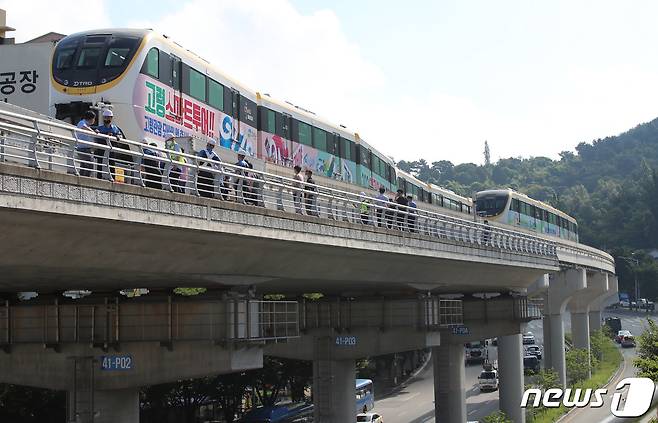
512	208
155	86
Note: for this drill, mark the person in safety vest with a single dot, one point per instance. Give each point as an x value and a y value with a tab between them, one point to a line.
178	162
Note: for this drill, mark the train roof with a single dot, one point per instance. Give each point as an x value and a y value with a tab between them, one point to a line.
529	200
188	56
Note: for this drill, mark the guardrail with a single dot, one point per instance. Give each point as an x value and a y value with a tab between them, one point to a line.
60	147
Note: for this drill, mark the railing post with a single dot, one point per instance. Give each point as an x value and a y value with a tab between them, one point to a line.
106	160
35	142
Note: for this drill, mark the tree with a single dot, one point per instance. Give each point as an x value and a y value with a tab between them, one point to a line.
547	379
578	365
487	154
647	351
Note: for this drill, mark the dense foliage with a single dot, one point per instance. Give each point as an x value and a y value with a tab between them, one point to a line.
647	351
610	186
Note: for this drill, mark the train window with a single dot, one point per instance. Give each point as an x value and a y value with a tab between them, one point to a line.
64	59
345	150
270	122
319	139
364	157
333	144
375	164
215	94
164	67
116	56
247	113
304	134
228	101
197	85
515	206
88	58
282	125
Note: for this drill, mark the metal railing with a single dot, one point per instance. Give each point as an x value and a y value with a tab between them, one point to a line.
60	147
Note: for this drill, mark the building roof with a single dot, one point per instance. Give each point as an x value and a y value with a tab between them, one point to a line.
46	38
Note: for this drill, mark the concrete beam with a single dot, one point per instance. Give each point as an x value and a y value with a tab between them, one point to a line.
355	344
34	365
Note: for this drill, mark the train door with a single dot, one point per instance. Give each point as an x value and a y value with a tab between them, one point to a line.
176	82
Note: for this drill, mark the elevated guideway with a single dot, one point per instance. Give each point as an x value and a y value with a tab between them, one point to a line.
120	216
110	233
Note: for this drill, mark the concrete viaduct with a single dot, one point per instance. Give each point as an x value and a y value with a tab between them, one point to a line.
384	290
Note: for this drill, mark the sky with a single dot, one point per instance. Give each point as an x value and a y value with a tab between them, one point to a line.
416	79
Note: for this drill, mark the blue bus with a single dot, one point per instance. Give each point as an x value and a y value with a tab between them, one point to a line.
288	413
365	396
303	412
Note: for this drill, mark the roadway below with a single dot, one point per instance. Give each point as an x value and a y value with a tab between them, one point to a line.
413	402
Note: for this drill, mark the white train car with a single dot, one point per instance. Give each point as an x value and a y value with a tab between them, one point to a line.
512	208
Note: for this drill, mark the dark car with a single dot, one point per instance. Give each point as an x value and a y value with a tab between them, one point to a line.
614	323
531	364
533	350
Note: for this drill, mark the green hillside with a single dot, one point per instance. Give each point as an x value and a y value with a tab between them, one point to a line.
609	185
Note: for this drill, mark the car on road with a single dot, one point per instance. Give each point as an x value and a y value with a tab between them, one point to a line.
528	338
621	334
531	364
624	303
369	418
628	341
533	350
488	380
474	352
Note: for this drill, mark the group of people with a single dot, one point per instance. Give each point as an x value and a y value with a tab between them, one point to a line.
153	170
399	212
393	213
306	189
91	159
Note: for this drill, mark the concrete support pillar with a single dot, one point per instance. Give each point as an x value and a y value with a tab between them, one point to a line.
333	391
449	395
580	330
557	348
594	320
121	405
510	370
562	287
546	325
580	333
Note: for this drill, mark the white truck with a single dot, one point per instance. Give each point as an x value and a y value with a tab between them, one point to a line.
488	379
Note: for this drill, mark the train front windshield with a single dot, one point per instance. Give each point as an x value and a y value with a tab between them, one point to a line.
491	204
90	60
